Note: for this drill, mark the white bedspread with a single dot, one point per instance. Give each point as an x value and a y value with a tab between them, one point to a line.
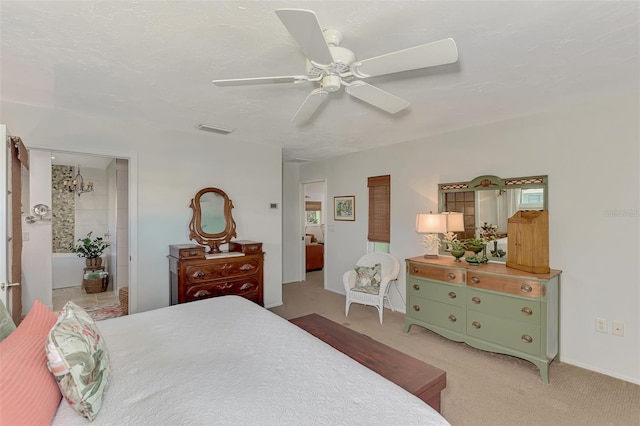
228	361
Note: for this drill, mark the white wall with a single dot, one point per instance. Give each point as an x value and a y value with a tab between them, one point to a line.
170	168
591	154
37	275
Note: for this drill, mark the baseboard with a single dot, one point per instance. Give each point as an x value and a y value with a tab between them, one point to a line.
633	380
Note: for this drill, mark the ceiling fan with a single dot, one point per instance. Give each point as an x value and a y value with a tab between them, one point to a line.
333	66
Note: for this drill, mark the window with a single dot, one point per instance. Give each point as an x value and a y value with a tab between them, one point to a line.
379	209
532	199
312	210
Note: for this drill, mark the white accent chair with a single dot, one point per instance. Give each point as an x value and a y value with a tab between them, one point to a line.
390	268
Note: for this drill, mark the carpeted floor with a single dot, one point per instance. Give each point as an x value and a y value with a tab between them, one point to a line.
482	388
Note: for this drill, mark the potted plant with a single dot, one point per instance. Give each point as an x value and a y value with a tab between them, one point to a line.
457	249
91	249
455	246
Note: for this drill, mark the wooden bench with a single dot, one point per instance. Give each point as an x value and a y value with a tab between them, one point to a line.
421	379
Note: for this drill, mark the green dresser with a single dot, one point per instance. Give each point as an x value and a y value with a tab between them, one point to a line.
490	307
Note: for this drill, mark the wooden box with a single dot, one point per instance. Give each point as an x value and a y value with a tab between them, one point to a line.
186	251
528	241
246	247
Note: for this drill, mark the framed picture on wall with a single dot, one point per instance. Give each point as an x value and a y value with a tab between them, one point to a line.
344	207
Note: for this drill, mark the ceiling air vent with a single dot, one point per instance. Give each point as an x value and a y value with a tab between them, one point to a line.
214	129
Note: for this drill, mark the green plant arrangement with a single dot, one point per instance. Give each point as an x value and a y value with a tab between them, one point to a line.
89	248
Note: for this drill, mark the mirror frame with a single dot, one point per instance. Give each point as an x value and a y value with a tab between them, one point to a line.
490	182
213	241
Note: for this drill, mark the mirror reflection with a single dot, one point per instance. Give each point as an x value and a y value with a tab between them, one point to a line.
212	208
487	202
212	223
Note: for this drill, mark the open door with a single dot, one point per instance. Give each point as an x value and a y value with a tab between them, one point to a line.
12	158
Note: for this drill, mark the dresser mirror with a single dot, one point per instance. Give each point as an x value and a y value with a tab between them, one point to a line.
492	200
212	223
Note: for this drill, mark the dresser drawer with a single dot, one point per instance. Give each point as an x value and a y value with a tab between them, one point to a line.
247	288
443	315
506	307
186	251
448	275
203	272
512	334
520	287
440	292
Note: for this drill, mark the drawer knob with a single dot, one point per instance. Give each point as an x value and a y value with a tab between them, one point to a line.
475	280
526	288
526	338
453	318
416	287
414	269
452	295
476	324
201	293
451	276
193	253
199	274
416	308
476	300
526	311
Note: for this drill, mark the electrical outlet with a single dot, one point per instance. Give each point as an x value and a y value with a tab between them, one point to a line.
601	325
617	328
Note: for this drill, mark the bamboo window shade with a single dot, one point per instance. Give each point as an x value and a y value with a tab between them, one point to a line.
379	208
312	206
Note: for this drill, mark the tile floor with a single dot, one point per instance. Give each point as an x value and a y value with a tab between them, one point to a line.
81	298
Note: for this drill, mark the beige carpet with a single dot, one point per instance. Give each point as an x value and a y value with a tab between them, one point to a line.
482	388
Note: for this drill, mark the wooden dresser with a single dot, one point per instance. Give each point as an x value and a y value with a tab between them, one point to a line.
195	276
490	307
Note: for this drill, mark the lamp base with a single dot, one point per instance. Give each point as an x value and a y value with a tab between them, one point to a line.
430	256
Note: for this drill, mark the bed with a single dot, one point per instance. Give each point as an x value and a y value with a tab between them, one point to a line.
227	361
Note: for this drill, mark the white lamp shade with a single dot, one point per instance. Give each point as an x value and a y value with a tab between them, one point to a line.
455	222
428	223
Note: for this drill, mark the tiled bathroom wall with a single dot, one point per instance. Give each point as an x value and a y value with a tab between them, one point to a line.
63	209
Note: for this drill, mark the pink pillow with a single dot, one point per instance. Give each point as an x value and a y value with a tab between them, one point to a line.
29	394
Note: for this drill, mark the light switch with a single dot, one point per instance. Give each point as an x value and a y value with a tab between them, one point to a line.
25	236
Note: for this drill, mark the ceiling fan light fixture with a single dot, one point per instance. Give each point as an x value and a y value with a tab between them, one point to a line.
214	129
331	83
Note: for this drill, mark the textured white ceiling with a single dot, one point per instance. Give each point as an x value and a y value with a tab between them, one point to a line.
154	60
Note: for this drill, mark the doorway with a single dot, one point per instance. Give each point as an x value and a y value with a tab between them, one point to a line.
109	211
314	218
100	212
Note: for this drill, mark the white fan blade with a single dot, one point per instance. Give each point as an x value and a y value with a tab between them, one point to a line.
376	97
310	105
426	55
303	25
261	80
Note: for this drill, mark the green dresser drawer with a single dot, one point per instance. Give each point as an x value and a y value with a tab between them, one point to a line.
440	292
512	334
443	315
518	309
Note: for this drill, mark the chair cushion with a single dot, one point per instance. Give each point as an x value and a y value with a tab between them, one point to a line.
79	360
368	278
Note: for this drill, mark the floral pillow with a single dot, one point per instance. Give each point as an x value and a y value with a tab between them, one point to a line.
6	322
79	360
368	278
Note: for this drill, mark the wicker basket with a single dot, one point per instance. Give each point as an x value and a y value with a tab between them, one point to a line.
123	294
95	285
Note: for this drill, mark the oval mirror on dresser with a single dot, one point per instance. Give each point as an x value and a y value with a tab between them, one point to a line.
212	223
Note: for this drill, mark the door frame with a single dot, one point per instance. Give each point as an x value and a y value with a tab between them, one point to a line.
132	159
303	216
